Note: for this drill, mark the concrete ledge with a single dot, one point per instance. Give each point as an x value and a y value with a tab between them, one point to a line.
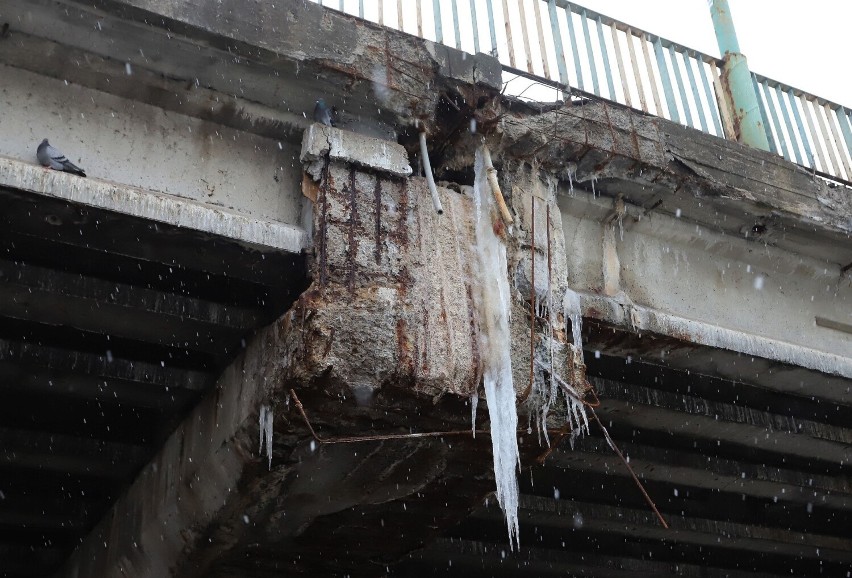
638	318
349	147
150	205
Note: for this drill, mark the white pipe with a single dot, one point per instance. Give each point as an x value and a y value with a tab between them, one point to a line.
427	168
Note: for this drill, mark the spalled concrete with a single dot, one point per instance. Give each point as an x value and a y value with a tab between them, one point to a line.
322	142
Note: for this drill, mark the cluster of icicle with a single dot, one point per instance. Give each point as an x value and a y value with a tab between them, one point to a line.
547	383
495	346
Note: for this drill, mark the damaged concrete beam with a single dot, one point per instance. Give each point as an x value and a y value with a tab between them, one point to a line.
616	150
325	142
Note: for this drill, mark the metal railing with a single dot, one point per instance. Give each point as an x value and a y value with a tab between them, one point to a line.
574	48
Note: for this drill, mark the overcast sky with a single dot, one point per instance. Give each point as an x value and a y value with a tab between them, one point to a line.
806	44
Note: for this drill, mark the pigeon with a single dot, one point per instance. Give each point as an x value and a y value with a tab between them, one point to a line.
323	114
54	159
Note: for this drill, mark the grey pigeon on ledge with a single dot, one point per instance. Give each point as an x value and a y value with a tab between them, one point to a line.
53	158
323	114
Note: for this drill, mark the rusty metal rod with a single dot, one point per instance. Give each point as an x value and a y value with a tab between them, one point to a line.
491	173
526	394
378	437
629	468
381	437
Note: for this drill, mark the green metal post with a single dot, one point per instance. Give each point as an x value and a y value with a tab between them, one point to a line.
736	80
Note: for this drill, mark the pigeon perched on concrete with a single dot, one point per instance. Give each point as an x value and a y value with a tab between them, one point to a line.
54	159
323	114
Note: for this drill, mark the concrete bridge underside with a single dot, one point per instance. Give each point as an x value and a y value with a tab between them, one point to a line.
223	251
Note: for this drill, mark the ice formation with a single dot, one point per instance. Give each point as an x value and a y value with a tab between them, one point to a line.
474	402
493	311
265	427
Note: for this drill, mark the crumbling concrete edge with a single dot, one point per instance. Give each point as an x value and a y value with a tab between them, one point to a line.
319	142
155	206
178	493
620	311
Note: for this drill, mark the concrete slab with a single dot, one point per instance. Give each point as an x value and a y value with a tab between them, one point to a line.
157	207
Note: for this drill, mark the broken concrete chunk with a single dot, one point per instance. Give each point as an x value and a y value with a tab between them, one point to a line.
340	145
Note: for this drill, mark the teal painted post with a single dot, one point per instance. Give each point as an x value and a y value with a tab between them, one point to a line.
744	100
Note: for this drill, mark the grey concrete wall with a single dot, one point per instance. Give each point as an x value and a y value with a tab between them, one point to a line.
690	271
128	142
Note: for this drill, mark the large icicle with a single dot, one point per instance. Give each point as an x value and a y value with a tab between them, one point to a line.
495	341
265	427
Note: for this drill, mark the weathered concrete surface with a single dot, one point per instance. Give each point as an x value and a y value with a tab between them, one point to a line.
194	474
720	184
147	204
321	142
129	142
381	81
